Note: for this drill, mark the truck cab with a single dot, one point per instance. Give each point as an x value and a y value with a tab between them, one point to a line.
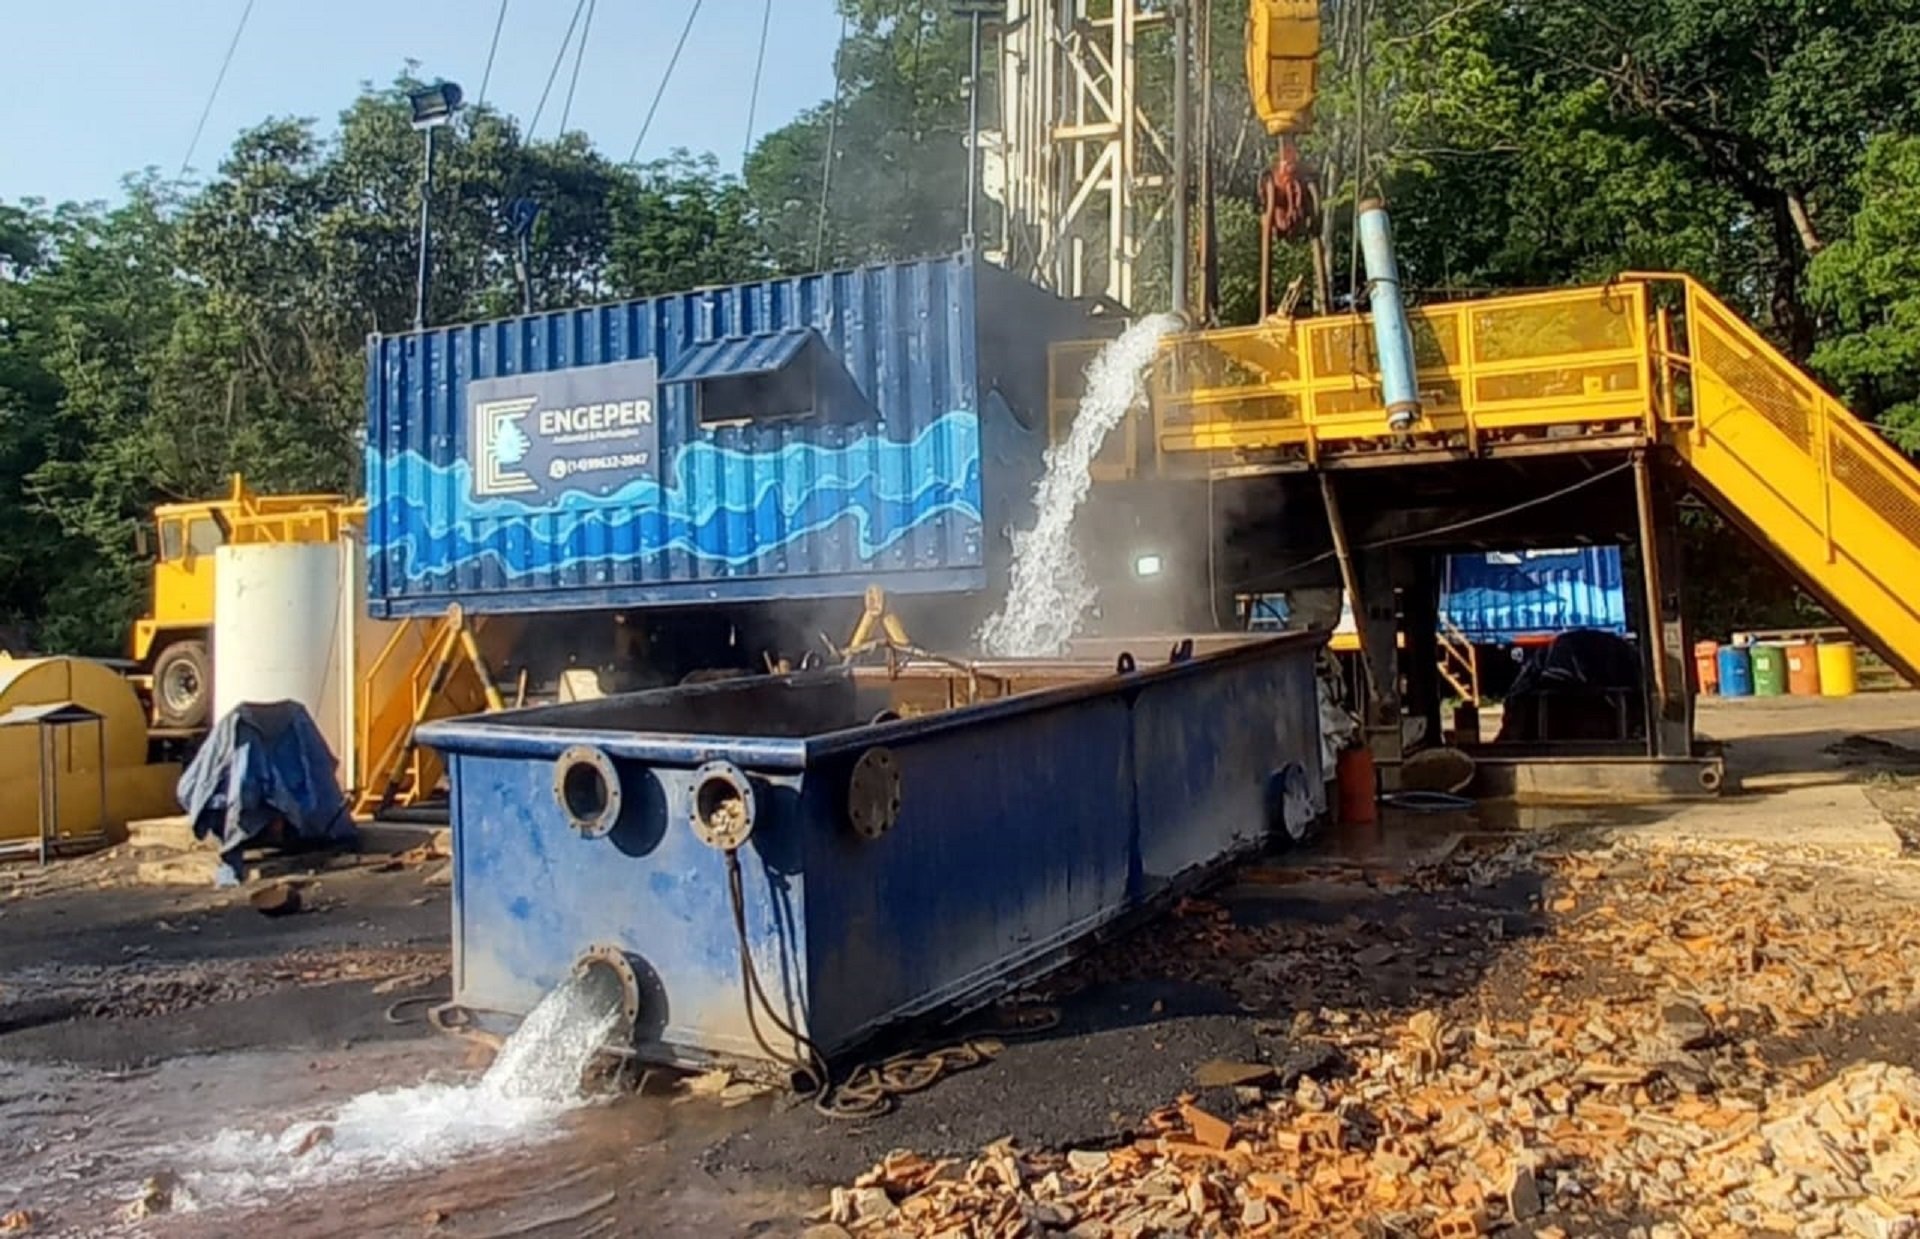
172	644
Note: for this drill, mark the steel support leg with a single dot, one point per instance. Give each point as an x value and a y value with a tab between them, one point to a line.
1670	682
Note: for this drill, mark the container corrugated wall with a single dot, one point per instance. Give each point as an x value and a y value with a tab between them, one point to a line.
1499	599
884	483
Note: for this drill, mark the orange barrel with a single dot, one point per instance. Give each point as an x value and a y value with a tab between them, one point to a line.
1359	795
1706	665
1803	670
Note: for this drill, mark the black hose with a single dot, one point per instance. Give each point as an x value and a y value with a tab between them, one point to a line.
814	1068
396	1007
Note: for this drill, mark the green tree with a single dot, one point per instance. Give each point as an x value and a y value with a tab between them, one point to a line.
896	187
150	350
1868	285
678	223
1770	101
92	318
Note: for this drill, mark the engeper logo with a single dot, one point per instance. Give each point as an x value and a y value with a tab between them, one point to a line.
588	430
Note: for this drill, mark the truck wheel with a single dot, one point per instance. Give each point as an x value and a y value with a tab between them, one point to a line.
183	685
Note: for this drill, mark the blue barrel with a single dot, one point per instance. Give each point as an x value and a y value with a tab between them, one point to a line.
1736	671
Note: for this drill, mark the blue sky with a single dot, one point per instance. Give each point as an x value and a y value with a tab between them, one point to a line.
95	89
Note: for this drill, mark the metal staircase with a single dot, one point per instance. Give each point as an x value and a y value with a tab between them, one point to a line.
1816	485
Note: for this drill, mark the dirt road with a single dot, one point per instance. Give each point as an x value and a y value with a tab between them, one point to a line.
1598	1020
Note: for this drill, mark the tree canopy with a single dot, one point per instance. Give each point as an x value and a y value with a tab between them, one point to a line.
152	346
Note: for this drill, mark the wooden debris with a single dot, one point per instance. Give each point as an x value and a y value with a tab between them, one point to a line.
1212	1132
276	899
1219	1073
722	1086
1621	1064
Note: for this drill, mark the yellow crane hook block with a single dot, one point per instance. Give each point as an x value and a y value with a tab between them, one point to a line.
1283	57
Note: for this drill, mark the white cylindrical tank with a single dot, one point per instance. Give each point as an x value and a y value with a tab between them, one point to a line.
283	617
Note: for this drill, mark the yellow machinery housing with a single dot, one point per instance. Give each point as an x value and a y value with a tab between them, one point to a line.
171	646
101	777
1283	57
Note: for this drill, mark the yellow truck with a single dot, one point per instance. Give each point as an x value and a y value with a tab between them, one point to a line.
172	644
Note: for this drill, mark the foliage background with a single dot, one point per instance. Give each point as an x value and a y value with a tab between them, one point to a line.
152	346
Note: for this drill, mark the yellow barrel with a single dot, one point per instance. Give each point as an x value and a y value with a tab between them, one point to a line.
1839	669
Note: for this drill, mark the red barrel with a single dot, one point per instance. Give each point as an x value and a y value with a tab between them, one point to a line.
1358	793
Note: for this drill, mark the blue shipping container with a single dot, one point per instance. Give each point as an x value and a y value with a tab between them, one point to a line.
791	438
1500	598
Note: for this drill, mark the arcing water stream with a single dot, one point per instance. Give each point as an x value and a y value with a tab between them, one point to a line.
534	1079
1049	592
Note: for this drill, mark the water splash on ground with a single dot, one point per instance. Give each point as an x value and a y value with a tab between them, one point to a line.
1049	592
534	1080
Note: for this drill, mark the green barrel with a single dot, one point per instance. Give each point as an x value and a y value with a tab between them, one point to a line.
1769	671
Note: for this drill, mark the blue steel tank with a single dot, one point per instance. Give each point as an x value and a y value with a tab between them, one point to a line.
793	438
828	854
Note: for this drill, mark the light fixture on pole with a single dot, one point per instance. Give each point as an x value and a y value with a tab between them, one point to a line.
433	106
520	217
975	12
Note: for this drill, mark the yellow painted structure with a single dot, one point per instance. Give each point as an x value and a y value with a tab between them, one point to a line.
189	534
1581	369
133	788
1283	59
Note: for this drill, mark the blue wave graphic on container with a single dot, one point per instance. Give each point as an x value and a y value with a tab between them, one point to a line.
1501	598
881	489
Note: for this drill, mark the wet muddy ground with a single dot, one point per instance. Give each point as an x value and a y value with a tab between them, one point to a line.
137	1024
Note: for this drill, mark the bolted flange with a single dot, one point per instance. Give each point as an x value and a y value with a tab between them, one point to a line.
873	794
723	806
610	974
587	788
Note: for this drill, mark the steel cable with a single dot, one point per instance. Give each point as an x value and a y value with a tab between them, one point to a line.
553	74
226	62
580	54
493	48
753	95
665	77
869	1090
833	138
1455	527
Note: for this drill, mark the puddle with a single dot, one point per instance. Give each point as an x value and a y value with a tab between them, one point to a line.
534	1080
295	1138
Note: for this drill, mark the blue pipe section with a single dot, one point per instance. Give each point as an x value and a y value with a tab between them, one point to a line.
1392	338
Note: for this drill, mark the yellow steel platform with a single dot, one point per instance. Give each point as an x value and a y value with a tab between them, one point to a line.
1648	360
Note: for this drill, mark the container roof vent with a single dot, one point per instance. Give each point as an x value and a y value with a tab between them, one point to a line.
779	374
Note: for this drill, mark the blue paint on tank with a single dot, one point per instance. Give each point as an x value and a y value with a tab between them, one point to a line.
1024	825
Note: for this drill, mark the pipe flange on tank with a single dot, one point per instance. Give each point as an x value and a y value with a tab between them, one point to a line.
1290	803
873	794
723	806
610	979
587	788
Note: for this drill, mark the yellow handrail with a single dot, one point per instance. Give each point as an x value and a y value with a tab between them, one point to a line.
1485	367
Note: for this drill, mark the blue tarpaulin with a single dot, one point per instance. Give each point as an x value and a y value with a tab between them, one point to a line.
265	765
